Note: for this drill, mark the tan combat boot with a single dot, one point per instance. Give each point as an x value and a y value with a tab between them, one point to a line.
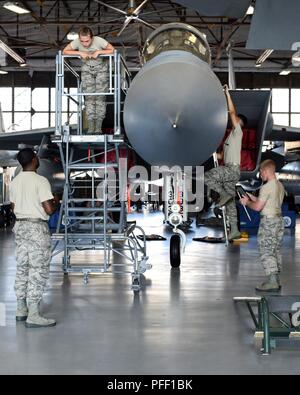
22	310
234	233
35	320
272	285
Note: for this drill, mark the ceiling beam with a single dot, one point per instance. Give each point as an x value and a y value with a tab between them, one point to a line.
41	21
67	7
103	23
86	8
235	26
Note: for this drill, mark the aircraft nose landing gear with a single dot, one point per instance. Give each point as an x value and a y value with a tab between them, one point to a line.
178	240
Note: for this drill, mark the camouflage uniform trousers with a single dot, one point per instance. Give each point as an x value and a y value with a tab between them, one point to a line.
269	240
95	80
224	179
33	254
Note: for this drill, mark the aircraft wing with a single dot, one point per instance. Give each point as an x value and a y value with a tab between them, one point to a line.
15	140
8	158
284	133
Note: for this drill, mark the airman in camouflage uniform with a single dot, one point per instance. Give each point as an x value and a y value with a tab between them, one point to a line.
32	203
33	256
95	79
271	227
94	74
223	179
269	240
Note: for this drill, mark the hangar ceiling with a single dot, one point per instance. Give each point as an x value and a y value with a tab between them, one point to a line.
38	35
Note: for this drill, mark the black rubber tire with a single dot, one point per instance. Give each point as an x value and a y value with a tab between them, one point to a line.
175	251
136	282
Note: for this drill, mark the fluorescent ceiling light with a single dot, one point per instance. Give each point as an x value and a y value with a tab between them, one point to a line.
250	10
72	36
15	7
263	57
11	52
3	72
285	72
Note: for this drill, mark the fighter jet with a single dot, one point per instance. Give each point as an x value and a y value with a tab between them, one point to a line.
175	111
186	115
38	139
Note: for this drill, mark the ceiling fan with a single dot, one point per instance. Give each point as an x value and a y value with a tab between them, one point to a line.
132	14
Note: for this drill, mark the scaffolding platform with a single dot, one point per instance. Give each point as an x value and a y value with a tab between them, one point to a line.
93	213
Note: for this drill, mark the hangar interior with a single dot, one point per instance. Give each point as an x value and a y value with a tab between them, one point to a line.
181	318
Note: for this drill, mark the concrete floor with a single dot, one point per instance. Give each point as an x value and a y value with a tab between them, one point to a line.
183	322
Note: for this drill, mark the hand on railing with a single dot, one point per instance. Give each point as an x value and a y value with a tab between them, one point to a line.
84	55
94	55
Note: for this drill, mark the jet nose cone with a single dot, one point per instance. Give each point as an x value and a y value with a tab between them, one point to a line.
175	111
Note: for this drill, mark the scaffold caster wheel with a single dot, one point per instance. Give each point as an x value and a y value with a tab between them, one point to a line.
175	251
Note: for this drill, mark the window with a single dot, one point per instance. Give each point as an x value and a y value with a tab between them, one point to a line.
73	119
40	120
73	105
40	99
286	107
53	101
6	106
66	107
7	120
281	119
52	120
22	121
295	101
280	106
280	100
6	99
22	99
25	109
295	120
